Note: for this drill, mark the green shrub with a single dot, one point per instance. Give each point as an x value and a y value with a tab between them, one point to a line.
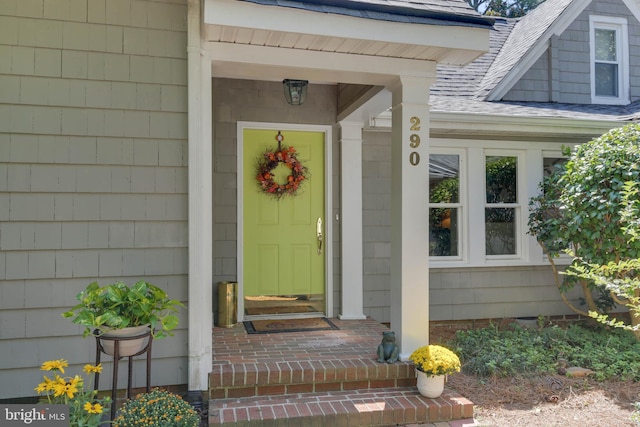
581	207
518	351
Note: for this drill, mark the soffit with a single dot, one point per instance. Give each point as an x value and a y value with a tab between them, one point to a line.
281	39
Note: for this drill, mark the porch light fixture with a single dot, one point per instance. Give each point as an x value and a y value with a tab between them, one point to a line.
295	91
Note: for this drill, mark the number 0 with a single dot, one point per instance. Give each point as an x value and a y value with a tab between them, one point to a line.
414	158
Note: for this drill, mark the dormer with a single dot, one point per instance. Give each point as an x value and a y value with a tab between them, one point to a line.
569	52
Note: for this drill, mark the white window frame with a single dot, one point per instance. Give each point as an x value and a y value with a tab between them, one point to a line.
463	234
473	200
517	206
619	25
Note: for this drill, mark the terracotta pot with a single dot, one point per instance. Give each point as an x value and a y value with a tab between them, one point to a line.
430	386
125	347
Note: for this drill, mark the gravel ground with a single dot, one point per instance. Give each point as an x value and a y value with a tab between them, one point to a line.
549	401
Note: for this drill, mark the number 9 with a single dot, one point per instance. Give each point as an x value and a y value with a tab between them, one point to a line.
415	140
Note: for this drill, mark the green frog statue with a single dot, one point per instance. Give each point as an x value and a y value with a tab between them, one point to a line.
388	350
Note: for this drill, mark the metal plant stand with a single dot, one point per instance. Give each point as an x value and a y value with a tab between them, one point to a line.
116	360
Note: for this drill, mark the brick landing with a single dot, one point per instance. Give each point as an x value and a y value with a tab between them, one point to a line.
319	378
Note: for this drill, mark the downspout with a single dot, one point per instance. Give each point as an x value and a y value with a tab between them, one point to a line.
200	211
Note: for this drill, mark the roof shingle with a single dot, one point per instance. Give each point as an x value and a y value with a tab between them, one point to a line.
464	81
430	12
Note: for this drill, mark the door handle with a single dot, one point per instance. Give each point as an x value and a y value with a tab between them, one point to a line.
319	236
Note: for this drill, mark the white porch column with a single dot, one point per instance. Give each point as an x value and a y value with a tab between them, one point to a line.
409	212
351	221
200	205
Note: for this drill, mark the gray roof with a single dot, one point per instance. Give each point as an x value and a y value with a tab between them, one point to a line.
462	104
464	81
465	89
430	12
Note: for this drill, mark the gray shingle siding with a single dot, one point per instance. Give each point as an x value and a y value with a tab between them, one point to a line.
376	216
481	293
93	172
534	85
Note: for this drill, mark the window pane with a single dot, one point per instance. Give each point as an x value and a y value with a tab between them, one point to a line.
443	232
444	173
606	79
552	164
501	182
606	45
500	229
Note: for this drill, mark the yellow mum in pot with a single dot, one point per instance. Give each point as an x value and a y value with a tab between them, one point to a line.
435	360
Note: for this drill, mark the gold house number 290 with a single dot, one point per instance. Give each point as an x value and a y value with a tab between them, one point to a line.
414	140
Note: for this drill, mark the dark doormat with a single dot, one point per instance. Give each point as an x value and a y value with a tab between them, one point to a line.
289	325
280	310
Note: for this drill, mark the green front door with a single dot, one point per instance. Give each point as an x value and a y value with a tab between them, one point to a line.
283	254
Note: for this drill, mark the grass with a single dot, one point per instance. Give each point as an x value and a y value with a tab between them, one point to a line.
610	353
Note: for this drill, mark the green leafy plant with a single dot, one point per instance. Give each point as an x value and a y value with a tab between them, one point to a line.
118	306
85	408
435	360
581	209
517	351
159	408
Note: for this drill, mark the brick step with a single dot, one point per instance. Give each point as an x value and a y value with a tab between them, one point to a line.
257	379
374	407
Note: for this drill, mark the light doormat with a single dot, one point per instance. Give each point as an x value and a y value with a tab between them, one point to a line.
289	325
253	311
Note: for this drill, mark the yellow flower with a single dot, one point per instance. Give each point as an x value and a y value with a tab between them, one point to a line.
435	360
69	389
54	365
93	408
84	408
45	385
89	369
77	381
58	389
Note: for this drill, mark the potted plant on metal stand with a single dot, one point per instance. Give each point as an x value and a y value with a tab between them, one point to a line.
122	310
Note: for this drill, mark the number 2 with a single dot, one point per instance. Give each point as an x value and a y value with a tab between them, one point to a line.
415	124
